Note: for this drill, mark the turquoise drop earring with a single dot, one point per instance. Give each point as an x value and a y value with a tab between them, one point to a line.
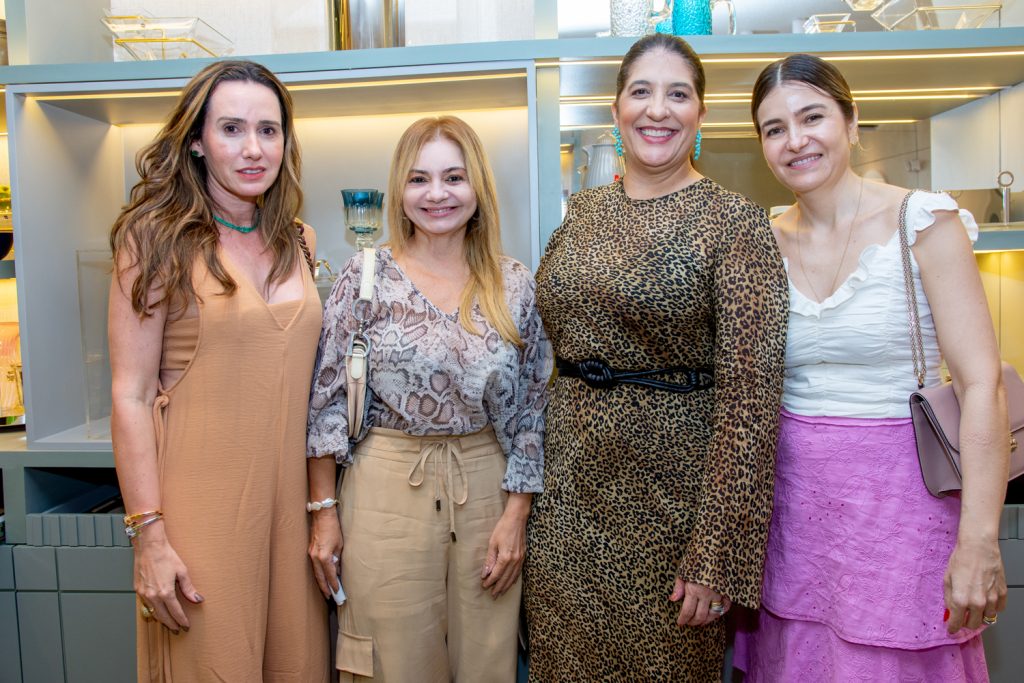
696	147
618	141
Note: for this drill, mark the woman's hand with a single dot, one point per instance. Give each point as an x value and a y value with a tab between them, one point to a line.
158	571
696	607
325	544
975	584
506	550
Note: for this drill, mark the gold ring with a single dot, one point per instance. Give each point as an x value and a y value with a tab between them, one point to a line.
990	620
146	611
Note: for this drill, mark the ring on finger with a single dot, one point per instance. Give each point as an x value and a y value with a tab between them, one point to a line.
990	620
717	607
146	611
335	559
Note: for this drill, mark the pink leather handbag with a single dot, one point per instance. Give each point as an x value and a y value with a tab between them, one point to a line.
936	415
935	411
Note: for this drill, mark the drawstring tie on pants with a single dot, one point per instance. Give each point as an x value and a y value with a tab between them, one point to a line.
447	455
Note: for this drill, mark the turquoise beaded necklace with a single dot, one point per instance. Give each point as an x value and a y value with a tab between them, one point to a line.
240	228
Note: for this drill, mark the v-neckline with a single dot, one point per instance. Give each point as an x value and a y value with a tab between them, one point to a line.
239	274
454	315
874	246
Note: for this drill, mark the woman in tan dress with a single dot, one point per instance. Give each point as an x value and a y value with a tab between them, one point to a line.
213	327
665	299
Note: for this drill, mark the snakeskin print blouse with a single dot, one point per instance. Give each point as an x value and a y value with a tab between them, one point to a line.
428	375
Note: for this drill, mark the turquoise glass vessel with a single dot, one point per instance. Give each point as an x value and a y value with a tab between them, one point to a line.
363	214
693	17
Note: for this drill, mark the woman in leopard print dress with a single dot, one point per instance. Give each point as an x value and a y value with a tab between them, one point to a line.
656	499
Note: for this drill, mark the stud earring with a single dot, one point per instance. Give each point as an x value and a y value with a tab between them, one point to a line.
618	141
696	146
195	153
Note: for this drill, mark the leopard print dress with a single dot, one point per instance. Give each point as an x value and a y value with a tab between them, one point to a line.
640	484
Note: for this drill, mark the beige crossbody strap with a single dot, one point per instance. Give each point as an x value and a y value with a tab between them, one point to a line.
358	355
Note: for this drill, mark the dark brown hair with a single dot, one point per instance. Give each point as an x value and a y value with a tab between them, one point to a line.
668	43
807	69
169	218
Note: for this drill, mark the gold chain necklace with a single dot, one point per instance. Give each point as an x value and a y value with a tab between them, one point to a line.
839	267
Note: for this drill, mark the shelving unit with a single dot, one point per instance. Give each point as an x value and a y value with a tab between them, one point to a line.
89	132
88	120
74	130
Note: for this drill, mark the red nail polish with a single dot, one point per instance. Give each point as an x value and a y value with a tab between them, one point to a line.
945	615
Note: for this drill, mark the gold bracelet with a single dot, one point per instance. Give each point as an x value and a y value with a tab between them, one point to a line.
133	530
131	519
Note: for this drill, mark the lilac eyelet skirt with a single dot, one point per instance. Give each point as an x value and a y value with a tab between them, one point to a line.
856	557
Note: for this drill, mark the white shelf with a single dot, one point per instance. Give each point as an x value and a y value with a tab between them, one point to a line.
325	94
92	437
770	46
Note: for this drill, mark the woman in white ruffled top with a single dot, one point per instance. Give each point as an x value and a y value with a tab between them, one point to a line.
867	575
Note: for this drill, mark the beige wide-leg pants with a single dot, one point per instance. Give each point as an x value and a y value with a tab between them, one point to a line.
417	514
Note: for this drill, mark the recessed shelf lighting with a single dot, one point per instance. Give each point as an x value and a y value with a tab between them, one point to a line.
951	93
294	87
768	59
746	124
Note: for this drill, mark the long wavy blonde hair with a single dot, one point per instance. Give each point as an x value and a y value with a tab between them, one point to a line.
169	218
482	243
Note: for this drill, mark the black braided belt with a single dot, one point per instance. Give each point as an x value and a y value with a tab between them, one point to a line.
596	373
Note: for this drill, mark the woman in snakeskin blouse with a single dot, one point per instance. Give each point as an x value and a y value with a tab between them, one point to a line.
438	482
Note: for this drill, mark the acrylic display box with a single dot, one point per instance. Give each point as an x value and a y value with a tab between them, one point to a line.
95	268
923	15
143	37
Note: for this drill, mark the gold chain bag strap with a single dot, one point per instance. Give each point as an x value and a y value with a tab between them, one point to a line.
357	357
935	411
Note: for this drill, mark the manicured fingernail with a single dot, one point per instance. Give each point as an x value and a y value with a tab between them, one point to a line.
945	615
199	598
175	631
185	629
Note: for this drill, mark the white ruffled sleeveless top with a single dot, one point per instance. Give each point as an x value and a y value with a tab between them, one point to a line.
849	356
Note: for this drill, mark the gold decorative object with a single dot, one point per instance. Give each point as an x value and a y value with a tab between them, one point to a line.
363	24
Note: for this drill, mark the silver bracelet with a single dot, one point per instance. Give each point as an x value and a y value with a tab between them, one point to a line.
315	505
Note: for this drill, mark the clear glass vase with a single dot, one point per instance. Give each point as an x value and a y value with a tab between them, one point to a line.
637	17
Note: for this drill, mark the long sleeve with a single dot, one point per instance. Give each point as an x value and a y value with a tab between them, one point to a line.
726	547
522	430
327	426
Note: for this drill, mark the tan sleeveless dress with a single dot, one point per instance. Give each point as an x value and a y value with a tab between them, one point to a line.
231	438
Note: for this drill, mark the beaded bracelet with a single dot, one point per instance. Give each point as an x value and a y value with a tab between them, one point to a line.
133	530
324	504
